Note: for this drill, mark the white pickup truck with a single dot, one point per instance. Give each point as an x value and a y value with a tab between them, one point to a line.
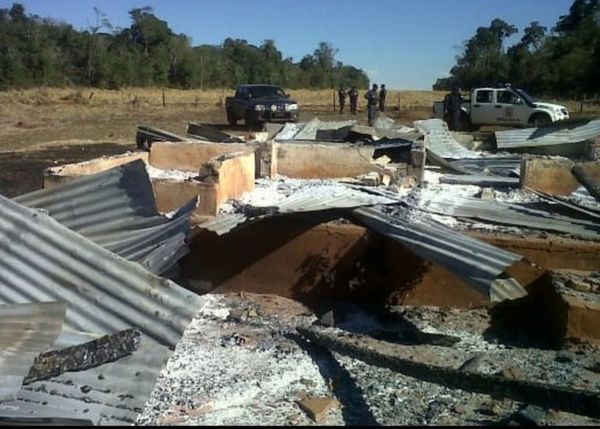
504	106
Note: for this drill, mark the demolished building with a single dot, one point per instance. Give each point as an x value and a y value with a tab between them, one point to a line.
319	213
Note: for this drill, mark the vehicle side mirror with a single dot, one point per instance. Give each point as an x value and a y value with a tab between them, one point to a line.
518	100
288	95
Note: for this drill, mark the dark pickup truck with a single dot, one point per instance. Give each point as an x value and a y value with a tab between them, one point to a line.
257	104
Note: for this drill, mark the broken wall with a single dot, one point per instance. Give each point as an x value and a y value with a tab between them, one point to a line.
323	160
299	258
187	156
64	173
550	175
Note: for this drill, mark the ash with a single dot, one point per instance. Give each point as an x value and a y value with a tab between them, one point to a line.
240	362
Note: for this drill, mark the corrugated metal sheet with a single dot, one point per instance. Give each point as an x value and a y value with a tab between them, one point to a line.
290	129
42	260
206	133
116	209
512	215
480	180
497	165
548	136
478	263
315	129
26	330
583	198
312	199
588	174
111	394
439	140
593	213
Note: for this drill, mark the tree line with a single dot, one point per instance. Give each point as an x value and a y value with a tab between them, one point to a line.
36	51
562	61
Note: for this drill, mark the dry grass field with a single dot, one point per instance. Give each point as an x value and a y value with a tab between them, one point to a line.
42	116
33	117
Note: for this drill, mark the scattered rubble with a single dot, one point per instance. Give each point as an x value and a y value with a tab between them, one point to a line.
353	224
89	355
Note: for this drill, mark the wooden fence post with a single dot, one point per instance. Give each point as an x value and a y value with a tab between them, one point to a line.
164	101
333	100
398	108
581	102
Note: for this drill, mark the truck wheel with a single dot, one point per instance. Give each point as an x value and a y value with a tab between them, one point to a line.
231	119
540	120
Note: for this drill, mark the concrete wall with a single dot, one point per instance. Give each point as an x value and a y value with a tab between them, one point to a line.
297	257
552	176
229	178
61	174
191	156
321	160
549	253
171	195
235	176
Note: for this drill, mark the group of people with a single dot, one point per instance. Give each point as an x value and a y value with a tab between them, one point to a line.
374	99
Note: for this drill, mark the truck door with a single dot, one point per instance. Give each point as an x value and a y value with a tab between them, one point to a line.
510	108
482	107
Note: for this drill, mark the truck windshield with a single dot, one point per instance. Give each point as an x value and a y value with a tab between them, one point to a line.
266	92
528	98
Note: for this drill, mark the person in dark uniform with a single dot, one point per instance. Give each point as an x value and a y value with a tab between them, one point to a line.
342	98
372	99
353	100
452	104
382	96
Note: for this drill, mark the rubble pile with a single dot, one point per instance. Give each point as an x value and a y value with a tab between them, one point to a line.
315	273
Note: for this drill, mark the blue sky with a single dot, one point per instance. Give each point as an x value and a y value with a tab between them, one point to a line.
405	44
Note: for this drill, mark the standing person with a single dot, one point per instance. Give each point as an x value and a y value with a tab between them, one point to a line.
353	100
372	99
382	95
452	105
342	98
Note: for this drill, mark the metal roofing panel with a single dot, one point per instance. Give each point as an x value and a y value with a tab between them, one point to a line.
439	140
548	136
498	165
582	197
588	174
480	180
211	134
315	128
26	330
42	260
116	209
290	129
512	215
327	197
112	393
478	263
